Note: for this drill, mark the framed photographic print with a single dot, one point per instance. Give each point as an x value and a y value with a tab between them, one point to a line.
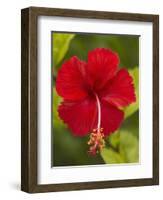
90	99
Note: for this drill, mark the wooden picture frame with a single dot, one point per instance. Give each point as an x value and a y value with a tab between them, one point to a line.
29	97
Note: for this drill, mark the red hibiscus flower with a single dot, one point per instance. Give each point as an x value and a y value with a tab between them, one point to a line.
94	93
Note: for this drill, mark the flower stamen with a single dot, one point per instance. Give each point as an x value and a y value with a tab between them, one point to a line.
99	111
96	140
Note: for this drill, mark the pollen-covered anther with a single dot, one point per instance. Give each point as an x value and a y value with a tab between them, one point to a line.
96	141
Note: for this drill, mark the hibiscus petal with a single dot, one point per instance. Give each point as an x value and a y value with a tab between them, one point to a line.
79	116
111	118
102	66
120	90
70	80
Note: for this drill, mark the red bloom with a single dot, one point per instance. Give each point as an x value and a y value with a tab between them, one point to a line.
94	93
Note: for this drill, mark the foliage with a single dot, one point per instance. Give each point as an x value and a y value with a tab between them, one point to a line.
125	151
134	106
61	43
110	156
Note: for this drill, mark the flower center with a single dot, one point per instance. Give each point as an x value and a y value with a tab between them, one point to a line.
96	140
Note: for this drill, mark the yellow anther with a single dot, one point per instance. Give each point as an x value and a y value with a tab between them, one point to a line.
96	141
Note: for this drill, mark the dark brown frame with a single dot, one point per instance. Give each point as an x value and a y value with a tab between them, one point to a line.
29	99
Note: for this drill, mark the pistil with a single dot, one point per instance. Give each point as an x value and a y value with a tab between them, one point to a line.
99	111
96	141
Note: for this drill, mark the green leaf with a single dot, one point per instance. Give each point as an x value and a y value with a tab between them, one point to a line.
111	157
56	101
129	146
123	148
134	106
114	139
61	42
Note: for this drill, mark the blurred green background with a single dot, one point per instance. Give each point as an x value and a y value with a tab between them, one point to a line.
123	145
